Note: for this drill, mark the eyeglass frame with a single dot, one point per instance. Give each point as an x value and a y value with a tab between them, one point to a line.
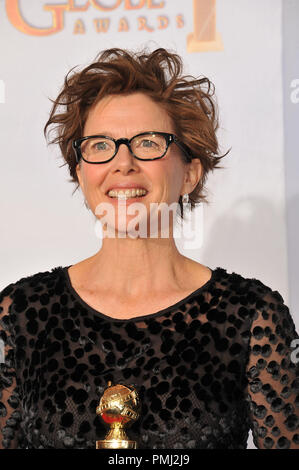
169	139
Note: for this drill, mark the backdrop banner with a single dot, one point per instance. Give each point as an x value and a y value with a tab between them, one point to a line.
239	45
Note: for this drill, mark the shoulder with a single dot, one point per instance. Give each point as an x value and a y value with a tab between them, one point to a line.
264	304
34	283
255	290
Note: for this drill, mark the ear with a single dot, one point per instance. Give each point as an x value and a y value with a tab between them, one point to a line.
193	174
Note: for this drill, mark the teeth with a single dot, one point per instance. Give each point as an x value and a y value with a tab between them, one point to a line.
127	193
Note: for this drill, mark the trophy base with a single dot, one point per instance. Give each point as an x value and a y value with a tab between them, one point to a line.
116	444
194	45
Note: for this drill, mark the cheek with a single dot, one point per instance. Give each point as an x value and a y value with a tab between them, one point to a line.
175	181
169	175
91	177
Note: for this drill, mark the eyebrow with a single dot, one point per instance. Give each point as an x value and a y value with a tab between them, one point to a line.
98	133
108	134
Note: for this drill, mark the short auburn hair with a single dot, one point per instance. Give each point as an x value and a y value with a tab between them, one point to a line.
189	102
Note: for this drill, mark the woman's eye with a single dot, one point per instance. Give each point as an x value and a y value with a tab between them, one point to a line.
148	143
100	146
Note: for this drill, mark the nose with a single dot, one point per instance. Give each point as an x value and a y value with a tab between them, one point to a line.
123	150
125	143
124	159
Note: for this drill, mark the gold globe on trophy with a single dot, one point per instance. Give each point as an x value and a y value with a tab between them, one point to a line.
119	407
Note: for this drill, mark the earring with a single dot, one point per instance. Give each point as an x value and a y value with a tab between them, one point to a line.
185	198
86	205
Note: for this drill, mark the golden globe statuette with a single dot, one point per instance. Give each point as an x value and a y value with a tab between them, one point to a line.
119	407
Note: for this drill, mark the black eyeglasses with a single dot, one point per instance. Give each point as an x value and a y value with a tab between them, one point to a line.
145	146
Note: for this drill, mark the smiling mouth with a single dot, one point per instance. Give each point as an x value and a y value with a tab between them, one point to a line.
127	194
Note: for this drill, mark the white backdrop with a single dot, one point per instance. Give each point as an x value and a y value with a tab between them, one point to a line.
43	226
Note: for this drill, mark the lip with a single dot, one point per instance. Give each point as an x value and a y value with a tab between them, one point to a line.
126	186
115	200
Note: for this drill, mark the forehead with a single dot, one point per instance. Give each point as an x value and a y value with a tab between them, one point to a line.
127	114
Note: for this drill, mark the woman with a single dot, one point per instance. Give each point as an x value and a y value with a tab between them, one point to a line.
209	352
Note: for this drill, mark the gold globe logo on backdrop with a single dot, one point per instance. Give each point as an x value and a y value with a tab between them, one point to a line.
203	38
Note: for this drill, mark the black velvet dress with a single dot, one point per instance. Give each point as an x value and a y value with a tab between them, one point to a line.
207	369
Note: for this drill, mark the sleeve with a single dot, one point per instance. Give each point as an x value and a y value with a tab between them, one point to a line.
273	375
10	413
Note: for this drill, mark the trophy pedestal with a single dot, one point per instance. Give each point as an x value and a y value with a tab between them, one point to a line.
116	444
195	45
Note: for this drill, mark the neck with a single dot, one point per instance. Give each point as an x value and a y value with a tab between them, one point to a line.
131	267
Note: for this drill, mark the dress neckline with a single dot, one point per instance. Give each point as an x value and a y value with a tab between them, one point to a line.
138	318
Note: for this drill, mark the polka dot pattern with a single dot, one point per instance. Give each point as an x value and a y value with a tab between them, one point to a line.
207	369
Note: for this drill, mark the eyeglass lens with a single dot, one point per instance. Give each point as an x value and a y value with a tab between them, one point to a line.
99	149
